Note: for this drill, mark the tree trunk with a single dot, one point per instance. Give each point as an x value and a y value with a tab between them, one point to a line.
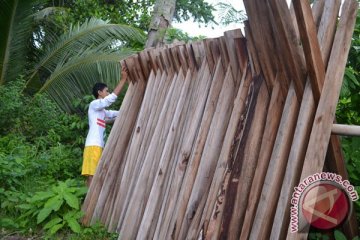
161	19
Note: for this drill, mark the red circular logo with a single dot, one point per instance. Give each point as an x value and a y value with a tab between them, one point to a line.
325	206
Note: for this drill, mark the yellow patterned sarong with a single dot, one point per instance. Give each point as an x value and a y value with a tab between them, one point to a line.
91	158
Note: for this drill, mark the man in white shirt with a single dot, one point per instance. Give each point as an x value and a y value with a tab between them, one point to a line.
97	114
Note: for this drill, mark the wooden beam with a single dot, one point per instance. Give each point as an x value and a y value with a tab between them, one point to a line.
346	130
311	46
321	131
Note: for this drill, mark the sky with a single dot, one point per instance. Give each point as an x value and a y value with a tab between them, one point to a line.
193	29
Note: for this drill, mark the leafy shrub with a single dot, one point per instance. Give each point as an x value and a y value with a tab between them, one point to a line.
12	102
54	209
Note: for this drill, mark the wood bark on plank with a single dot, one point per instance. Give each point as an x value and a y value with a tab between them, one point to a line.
244	163
232	138
276	106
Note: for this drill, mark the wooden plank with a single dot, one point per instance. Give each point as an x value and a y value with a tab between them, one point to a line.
346	130
276	106
174	57
210	153
135	202
145	62
311	46
131	105
321	131
243	167
116	157
241	53
126	182
182	57
199	52
190	57
336	163
208	53
139	135
253	56
291	58
195	157
294	163
303	127
223	52
221	175
215	49
261	31
230	44
194	118
172	142
271	189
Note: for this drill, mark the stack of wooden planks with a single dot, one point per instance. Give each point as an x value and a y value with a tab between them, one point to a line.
213	135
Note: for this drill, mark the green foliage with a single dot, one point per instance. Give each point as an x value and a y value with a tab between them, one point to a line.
135	13
317	236
347	112
228	14
56	208
338	235
15	28
174	34
86	54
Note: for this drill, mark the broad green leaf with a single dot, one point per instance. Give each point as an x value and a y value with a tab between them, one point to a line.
71	200
25	206
56	228
39	196
52	222
43	214
79	214
82	191
339	235
54	203
8	222
74	225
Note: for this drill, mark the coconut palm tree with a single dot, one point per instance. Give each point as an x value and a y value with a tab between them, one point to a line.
86	54
71	63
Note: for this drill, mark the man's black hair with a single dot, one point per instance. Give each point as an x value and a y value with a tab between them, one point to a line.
98	87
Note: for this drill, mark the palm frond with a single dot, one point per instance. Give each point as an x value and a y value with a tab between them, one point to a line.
228	14
93	32
75	78
44	13
15	28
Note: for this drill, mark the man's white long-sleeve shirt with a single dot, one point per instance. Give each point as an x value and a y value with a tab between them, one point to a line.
97	115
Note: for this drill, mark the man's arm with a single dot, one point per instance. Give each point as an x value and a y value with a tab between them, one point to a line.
122	82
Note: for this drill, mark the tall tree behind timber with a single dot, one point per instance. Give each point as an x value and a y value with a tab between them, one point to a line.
161	19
